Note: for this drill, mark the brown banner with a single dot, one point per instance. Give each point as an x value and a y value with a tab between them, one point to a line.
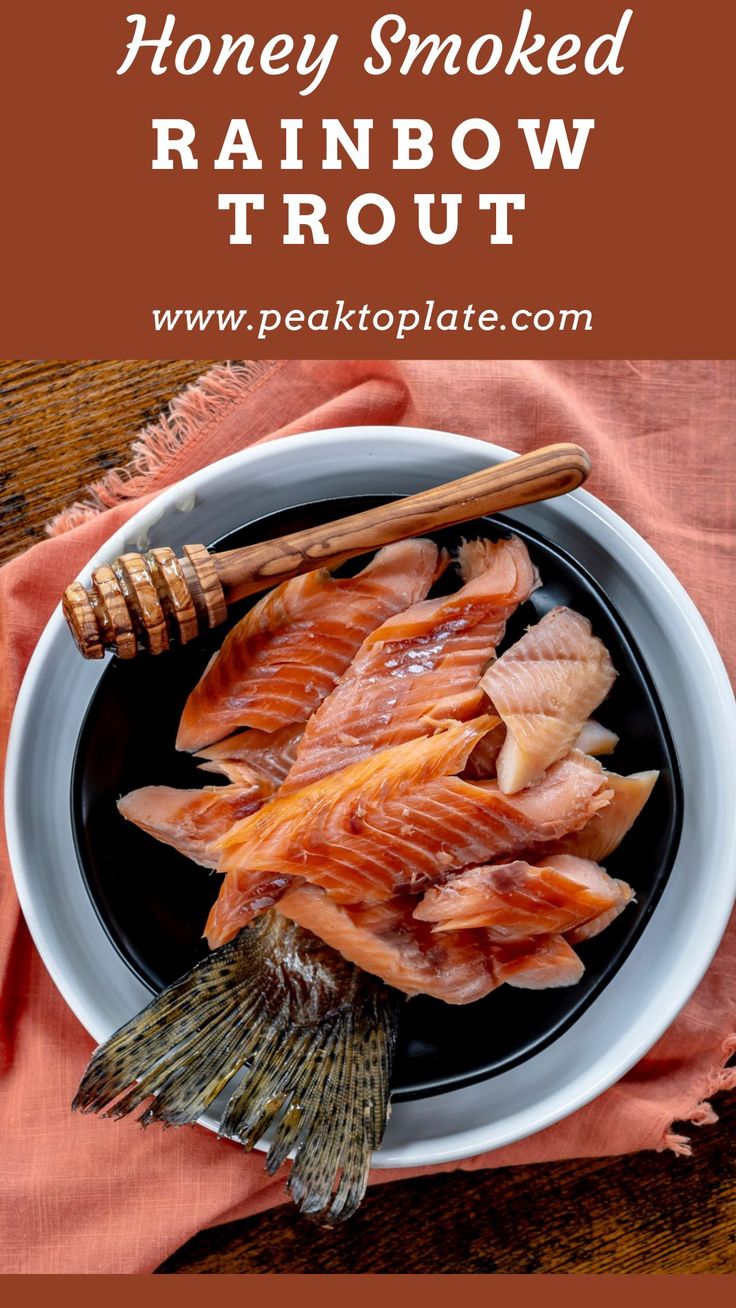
628	254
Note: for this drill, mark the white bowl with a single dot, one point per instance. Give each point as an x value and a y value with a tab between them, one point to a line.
676	946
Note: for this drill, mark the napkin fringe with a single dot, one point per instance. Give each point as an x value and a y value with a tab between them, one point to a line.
702	1112
197	406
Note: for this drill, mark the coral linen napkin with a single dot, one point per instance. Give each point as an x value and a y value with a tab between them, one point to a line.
82	1195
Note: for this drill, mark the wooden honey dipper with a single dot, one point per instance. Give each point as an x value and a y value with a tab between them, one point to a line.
153	601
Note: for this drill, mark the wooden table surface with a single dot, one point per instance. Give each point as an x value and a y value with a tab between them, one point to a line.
61	426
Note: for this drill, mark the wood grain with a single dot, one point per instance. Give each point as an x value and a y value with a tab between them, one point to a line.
644	1213
61	425
126	608
540	475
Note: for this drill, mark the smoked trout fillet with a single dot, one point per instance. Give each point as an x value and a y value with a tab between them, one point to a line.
606	829
421	667
458	967
517	900
418	670
399	820
544	688
427	678
191	821
248	756
291	648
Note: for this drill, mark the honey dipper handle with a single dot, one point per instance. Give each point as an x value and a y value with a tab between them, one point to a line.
154	600
543	474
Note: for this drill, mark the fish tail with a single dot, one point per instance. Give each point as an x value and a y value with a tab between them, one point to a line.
306	1038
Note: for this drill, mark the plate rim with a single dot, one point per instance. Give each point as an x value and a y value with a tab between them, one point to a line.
460	1143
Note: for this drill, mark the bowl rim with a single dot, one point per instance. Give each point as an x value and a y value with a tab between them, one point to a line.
461	1143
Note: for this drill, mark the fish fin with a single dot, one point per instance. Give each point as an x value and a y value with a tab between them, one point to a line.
311	1036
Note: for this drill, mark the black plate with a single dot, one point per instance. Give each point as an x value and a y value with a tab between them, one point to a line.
153	902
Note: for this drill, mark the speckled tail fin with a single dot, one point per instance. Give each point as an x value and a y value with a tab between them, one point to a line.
314	1034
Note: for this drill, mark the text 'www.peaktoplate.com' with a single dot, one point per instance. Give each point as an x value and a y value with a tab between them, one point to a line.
397	324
